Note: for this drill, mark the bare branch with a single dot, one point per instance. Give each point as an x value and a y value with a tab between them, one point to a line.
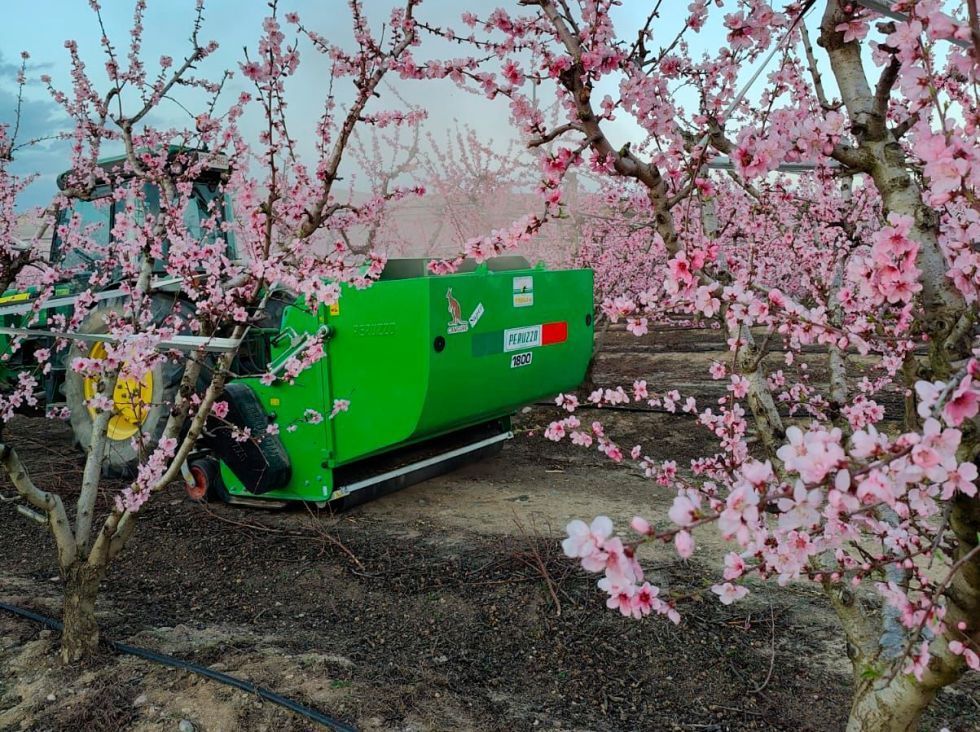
555	133
93	469
886	83
50	503
811	62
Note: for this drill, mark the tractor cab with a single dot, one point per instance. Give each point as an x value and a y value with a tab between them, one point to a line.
94	217
95	214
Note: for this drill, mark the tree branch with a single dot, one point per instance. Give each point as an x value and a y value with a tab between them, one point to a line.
50	503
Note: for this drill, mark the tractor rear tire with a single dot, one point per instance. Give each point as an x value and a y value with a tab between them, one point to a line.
121	458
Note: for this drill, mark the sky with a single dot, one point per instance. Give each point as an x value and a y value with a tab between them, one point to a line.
41	27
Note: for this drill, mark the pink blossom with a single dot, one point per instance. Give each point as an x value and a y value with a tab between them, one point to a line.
684	543
568	402
741	513
969	655
685	510
643	600
339	405
802	510
584	540
812	454
854	29
928	394
582	439
963	404
640	525
962	479
312	416
739	386
729	593
734	566
620	595
555	431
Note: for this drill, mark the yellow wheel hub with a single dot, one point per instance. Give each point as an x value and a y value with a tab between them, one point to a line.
131	399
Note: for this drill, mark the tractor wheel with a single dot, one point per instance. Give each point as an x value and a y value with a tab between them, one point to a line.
207	485
142	405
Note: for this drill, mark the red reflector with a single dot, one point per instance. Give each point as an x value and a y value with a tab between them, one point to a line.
554	333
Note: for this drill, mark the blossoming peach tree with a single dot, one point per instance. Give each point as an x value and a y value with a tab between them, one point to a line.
846	223
177	259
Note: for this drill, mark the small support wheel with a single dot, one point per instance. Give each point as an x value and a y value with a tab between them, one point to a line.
207	484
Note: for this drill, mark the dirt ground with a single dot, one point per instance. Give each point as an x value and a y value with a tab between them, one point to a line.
446	606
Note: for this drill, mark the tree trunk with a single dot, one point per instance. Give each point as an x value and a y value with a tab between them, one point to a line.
80	637
896	707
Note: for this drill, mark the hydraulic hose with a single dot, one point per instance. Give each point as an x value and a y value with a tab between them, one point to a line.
161	658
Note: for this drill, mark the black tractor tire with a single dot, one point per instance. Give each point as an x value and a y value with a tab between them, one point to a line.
121	458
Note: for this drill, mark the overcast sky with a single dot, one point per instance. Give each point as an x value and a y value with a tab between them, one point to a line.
41	27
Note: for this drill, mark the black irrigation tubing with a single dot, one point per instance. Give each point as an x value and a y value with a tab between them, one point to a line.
617	408
329	722
653	410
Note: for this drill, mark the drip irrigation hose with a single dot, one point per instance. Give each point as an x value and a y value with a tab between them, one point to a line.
329	722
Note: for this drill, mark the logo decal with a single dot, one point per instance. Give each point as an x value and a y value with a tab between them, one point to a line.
457	324
523	291
517	339
477	314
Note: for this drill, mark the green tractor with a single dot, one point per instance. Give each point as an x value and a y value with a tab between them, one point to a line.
432	368
140	405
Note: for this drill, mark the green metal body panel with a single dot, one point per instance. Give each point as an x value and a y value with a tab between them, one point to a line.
14	361
420	357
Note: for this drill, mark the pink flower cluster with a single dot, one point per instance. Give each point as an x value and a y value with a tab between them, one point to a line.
600	551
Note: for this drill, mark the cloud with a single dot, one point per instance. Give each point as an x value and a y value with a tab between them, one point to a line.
38	120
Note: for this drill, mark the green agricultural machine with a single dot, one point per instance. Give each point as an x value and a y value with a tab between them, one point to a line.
432	366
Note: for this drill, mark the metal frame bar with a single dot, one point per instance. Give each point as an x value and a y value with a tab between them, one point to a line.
296	346
177	342
165	284
57	302
346	490
885	9
725	163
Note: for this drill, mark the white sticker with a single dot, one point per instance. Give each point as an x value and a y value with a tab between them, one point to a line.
523	291
521	359
517	339
477	314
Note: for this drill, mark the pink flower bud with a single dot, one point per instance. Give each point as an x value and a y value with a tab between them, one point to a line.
640	525
684	543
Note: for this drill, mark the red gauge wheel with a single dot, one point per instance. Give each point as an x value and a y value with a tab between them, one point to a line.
206	485
198	490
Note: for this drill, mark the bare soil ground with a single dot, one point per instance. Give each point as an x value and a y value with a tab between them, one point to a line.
446	606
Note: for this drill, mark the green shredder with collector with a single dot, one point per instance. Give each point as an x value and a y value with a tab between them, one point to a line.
432	366
434	363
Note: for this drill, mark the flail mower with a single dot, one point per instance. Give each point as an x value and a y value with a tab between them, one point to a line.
433	368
